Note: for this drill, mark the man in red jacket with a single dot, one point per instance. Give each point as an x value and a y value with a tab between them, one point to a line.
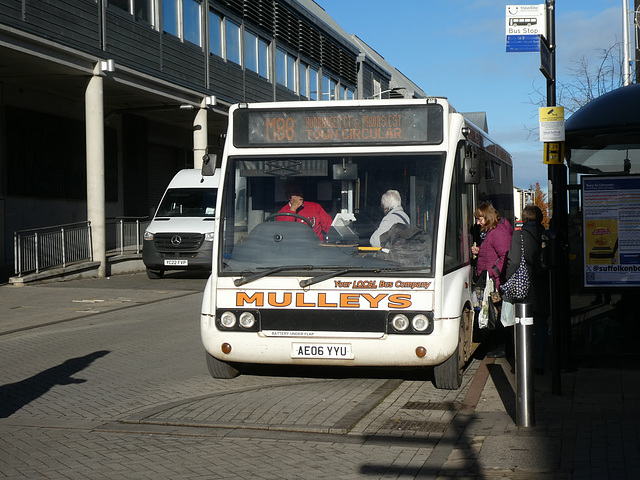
320	220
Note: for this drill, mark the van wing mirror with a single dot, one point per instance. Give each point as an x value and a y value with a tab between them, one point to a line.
208	165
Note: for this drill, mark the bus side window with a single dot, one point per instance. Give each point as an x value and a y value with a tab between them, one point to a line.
457	235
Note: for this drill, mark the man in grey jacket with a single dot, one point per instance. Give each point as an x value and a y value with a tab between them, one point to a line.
392	205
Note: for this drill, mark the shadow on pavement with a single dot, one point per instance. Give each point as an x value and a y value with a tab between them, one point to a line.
504	388
14	396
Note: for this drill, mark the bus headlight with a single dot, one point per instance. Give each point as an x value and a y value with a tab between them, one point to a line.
208	237
148	235
228	319
400	322
247	320
420	323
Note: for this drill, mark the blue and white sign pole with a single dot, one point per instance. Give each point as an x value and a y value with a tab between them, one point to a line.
559	292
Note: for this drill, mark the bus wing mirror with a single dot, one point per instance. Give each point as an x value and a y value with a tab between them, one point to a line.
471	165
208	165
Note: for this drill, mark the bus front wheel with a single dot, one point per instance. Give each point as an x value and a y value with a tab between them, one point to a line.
219	369
448	375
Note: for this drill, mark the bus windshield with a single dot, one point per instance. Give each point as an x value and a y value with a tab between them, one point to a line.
261	230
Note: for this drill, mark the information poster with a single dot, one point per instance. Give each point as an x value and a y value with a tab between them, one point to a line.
611	231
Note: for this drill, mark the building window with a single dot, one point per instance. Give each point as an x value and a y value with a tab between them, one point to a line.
192	24
286	69
328	88
250	51
281	66
170	17
350	94
140	9
263	58
232	44
182	19
256	54
215	34
377	88
302	81
291	72
313	83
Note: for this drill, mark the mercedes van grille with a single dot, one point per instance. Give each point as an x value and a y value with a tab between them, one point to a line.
178	241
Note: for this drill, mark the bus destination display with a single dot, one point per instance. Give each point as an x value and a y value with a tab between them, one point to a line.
341	126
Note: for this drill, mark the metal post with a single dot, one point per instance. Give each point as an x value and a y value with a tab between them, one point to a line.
16	254
122	236
525	394
37	252
64	250
626	66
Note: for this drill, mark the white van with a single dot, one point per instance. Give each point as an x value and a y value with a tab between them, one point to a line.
180	236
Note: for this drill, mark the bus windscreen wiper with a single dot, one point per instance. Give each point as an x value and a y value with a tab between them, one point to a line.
244	279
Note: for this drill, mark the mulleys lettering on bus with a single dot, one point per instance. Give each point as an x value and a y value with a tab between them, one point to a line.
344	300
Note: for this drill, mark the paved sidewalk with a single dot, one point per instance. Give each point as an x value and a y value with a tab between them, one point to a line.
589	431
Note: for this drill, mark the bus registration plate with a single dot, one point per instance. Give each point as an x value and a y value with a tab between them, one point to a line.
321	350
176	263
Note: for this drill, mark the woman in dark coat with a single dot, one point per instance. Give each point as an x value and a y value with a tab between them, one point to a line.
538	297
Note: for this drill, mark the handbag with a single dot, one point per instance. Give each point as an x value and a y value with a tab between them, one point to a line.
517	286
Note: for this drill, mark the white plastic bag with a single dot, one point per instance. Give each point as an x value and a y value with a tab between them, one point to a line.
507	314
483	316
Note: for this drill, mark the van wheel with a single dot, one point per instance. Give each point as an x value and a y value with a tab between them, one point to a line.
155	274
448	375
219	369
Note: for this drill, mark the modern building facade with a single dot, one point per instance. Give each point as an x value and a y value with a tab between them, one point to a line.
102	101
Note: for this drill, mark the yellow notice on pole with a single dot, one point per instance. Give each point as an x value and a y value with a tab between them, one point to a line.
553	153
552	124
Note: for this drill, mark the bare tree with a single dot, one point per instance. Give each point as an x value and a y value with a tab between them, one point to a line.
587	83
584	81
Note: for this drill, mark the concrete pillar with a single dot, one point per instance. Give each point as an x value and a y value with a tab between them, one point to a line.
200	134
96	212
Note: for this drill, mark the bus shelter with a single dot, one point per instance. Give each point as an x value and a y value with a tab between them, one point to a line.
603	231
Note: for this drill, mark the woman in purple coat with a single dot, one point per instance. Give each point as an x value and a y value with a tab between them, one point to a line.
492	258
492	252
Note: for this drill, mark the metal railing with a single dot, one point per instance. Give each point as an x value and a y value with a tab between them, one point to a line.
39	249
124	234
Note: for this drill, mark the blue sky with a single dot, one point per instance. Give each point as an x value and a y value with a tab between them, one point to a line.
456	49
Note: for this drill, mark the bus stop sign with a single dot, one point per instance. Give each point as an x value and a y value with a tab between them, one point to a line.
524	24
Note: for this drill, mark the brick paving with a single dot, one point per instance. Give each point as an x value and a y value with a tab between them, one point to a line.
124	393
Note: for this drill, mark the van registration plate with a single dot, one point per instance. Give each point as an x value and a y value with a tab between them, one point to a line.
321	350
176	263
